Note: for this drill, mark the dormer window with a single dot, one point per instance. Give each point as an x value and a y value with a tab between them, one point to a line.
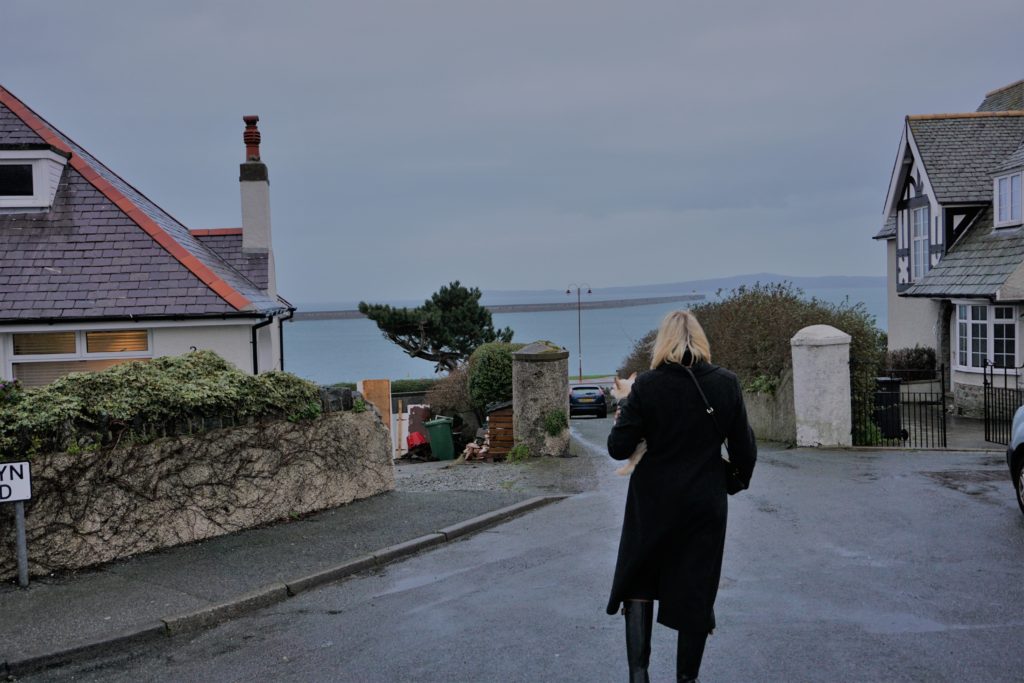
29	176
1007	195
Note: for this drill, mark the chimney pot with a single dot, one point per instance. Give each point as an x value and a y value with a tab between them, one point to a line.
252	138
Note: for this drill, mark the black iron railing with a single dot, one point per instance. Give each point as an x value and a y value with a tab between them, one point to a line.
1003	395
894	407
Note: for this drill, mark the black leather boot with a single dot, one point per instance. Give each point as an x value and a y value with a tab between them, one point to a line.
689	653
639	620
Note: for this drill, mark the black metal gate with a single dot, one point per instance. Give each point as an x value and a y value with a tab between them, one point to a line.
898	407
1003	395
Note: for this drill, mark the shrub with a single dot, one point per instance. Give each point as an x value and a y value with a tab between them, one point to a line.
750	330
519	453
917	358
639	358
135	400
10	391
450	394
409	386
555	422
490	373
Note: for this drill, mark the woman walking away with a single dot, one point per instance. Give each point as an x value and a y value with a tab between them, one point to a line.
673	533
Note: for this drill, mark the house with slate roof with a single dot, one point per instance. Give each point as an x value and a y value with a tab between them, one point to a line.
954	240
93	273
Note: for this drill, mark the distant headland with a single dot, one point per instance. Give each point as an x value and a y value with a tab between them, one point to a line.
524	308
539	300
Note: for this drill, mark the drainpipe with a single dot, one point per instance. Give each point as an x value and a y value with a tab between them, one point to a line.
280	332
255	346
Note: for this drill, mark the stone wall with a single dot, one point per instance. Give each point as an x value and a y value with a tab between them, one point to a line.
771	415
969	399
94	507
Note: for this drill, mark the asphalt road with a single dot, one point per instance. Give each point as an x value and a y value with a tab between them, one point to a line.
840	566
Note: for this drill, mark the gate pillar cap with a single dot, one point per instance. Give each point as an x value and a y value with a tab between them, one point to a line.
820	335
540	351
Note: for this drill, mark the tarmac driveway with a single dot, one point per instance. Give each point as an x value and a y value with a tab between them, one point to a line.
840	566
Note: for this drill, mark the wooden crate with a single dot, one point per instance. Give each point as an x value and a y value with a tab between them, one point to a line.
499	432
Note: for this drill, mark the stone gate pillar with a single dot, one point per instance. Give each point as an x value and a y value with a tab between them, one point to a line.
540	386
821	386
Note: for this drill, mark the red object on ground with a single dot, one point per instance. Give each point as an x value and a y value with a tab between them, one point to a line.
415	439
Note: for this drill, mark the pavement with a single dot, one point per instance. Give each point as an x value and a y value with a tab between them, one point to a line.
74	617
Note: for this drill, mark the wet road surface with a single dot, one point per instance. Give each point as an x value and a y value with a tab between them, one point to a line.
840	566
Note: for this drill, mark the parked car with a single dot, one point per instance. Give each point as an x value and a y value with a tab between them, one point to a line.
587	400
1015	456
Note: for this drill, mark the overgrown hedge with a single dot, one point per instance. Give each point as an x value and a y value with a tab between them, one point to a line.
143	399
490	373
750	330
919	359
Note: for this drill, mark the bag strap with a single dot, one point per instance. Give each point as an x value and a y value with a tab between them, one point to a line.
707	404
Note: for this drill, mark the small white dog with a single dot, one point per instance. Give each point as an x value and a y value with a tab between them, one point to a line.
620	391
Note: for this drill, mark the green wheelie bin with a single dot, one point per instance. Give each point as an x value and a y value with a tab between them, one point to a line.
440	431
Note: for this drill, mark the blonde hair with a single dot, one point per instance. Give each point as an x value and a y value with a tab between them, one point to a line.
680	332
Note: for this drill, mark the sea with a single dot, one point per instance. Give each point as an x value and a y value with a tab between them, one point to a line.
329	351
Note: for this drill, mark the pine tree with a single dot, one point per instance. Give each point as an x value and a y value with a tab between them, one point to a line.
445	329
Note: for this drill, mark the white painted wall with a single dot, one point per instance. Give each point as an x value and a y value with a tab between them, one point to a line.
232	342
912	321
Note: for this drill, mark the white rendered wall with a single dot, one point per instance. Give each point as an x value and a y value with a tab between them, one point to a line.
231	342
268	355
821	386
911	321
255	215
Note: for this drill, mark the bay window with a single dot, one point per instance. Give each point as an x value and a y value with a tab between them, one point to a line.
986	334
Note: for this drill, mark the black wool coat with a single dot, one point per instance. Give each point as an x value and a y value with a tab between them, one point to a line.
673	532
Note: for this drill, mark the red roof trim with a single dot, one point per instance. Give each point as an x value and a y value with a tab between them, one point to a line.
148	225
213	232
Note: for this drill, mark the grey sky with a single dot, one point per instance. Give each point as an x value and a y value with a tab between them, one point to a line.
516	145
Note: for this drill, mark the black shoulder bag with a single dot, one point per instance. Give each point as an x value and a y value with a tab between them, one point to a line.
734	481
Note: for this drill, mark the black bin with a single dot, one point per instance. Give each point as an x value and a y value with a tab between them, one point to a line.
887	407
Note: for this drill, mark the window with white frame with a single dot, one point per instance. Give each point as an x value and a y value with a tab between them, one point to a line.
29	177
41	357
918	242
1008	199
986	334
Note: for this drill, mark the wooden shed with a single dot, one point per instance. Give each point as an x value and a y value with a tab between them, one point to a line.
499	429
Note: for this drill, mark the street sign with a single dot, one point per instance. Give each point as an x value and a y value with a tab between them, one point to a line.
15	481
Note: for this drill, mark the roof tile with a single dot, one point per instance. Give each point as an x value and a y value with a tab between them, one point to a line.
85	228
977	265
960	154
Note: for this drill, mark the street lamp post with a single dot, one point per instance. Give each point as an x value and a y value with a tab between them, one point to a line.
579	318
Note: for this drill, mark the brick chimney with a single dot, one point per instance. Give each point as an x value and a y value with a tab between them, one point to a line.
255	186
